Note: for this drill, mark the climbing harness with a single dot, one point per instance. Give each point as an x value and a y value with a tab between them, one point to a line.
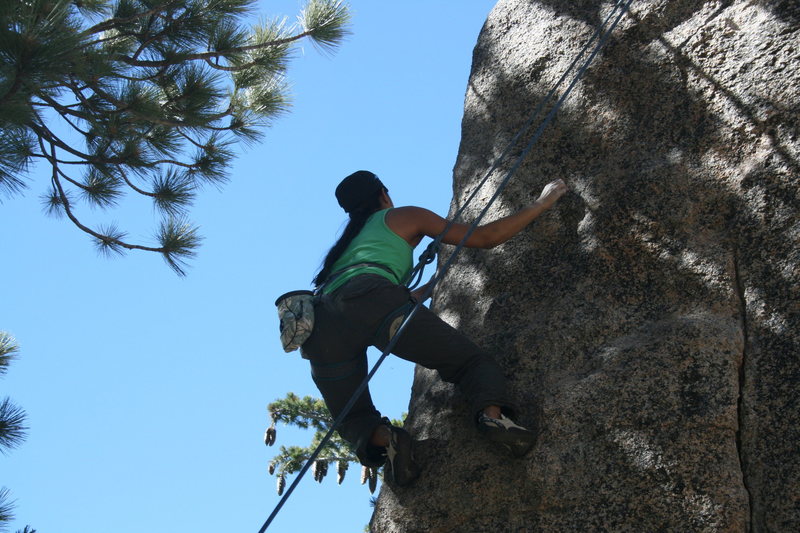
427	257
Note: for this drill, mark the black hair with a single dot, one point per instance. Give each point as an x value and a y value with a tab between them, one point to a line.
358	217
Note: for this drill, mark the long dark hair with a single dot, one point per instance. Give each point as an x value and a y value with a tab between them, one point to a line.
358	217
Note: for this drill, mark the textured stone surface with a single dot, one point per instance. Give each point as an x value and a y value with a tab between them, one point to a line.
650	323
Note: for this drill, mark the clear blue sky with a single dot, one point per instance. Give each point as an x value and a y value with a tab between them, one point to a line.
146	393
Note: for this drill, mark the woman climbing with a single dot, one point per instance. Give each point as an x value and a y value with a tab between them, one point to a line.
361	288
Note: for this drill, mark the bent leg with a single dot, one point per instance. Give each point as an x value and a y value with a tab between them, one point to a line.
337	383
338	366
431	342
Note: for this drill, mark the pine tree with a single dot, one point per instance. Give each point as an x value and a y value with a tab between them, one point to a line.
308	412
154	91
12	427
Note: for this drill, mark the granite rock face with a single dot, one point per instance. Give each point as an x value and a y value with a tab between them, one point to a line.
650	323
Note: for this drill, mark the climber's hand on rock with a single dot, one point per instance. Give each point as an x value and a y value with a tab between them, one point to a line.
552	192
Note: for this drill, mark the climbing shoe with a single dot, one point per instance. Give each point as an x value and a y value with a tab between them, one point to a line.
400	457
508	434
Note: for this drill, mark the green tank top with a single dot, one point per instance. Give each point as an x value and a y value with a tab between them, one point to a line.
375	243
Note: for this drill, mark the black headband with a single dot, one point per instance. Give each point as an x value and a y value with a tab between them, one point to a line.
357	188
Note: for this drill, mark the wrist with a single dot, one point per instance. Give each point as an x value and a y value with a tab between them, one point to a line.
543	203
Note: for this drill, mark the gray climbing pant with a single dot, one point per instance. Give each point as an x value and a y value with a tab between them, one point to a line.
348	321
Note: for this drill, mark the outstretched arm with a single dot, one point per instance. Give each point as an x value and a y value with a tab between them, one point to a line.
413	223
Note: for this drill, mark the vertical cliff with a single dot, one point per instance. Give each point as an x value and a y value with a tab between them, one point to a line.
650	323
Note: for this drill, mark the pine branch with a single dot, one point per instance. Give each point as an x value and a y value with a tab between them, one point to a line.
149	119
135	188
6	507
203	56
326	23
178	242
237	68
187	166
305	412
138	88
173	193
16	85
72	181
112	240
59	161
178	239
16	149
121	21
301	412
63	110
12	426
8	351
45	134
101	189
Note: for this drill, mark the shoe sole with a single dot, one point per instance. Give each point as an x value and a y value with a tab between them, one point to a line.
519	442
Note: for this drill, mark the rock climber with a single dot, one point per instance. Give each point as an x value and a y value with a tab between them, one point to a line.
360	285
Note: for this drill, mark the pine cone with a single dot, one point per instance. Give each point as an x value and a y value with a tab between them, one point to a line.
316	469
271	468
320	470
341	470
281	484
269	436
364	474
